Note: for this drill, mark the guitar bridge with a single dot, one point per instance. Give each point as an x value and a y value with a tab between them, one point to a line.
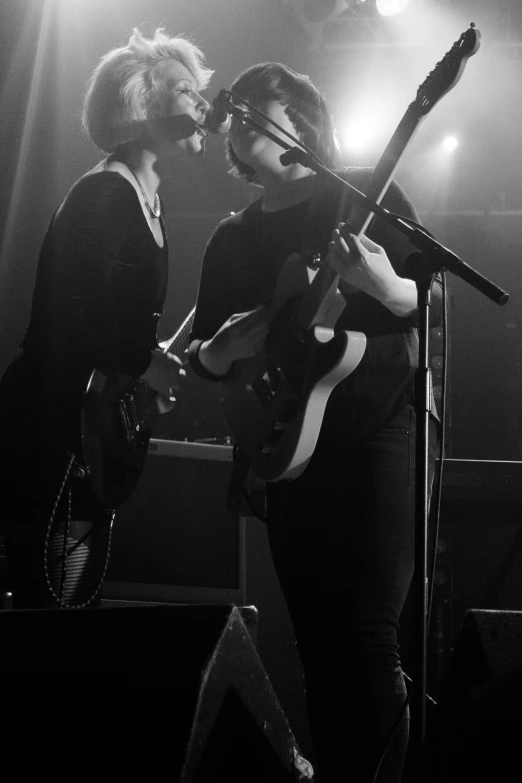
267	383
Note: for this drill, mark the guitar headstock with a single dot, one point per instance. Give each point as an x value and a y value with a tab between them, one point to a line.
448	71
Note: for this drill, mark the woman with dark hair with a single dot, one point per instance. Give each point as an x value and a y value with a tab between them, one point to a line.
342	533
100	288
304	106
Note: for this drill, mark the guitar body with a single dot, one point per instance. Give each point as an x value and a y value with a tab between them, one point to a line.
277	431
115	435
275	401
118	411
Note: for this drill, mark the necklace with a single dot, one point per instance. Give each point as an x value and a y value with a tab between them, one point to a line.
155	211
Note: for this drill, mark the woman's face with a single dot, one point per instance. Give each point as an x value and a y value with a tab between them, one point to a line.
255	149
178	119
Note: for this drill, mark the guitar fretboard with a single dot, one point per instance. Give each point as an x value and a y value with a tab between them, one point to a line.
180	342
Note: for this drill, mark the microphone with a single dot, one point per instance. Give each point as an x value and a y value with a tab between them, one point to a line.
219	118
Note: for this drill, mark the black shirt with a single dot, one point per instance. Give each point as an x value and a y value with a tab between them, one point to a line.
100	287
241	266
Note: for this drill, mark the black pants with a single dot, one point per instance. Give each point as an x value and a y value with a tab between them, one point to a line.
342	540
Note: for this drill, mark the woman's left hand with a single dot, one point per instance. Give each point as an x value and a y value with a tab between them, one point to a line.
365	265
361	262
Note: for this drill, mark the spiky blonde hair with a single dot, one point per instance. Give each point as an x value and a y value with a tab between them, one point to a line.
127	84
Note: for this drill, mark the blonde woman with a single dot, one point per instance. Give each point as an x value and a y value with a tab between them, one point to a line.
100	288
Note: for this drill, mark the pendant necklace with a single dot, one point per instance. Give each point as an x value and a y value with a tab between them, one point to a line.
155	211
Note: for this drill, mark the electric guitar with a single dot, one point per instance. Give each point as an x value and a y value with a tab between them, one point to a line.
117	415
275	401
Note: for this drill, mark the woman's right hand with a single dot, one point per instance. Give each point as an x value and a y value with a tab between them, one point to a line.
165	373
240	337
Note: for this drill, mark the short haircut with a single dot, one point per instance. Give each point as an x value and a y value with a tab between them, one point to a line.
304	105
127	86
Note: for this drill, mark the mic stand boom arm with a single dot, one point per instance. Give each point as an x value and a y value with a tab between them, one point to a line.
434	256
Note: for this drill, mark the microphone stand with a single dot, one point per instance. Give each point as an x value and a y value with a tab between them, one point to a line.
421	267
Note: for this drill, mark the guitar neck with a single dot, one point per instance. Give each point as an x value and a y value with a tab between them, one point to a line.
180	340
382	175
178	344
313	303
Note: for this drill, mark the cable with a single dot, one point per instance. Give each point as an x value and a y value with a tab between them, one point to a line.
435	513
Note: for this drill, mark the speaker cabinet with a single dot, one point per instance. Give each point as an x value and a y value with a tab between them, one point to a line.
476	735
157	692
479	556
174	540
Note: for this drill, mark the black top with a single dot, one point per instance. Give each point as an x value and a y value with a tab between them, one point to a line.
100	288
240	268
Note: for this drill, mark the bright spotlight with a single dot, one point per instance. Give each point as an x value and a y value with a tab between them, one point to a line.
391	7
359	134
450	143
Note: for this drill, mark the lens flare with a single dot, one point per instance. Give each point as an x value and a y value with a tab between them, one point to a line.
391	7
450	143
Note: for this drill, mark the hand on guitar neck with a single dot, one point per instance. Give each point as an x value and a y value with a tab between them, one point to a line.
365	265
165	374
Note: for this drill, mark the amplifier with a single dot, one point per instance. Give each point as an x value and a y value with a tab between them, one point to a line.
479	552
477	479
174	539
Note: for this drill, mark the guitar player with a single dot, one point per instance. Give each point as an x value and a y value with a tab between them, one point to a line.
341	533
100	287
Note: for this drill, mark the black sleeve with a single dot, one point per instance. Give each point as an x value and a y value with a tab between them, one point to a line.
221	277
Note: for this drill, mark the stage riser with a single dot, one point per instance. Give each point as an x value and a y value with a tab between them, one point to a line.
130	693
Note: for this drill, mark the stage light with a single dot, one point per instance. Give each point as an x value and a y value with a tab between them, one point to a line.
450	143
391	7
359	134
